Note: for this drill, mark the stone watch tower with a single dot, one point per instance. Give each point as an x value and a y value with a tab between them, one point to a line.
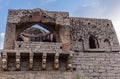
68	48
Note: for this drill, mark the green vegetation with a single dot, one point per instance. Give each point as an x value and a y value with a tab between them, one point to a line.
78	77
93	25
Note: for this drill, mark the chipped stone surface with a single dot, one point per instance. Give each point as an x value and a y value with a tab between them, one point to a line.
102	29
88	46
97	65
36	75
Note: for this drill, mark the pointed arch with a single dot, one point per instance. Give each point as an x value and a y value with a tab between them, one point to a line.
81	44
107	44
93	42
36	33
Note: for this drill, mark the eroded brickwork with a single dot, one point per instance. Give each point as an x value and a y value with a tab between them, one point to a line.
102	29
74	47
97	65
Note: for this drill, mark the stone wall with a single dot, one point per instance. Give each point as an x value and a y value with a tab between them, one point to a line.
41	46
101	62
20	20
101	29
36	75
97	65
88	65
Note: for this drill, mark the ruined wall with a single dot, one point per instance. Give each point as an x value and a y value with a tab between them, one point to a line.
101	29
101	62
20	20
35	46
97	63
36	75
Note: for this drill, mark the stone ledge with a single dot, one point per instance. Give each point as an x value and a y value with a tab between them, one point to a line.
37	51
36	75
101	50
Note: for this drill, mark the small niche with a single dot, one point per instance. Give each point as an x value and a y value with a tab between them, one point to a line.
44	16
60	47
107	24
74	69
30	16
89	23
19	46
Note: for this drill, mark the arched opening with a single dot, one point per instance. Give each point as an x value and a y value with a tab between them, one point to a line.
93	42
37	33
80	44
107	44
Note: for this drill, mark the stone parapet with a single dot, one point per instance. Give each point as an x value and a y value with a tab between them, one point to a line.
29	57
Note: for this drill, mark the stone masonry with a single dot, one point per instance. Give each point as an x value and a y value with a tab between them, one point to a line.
72	48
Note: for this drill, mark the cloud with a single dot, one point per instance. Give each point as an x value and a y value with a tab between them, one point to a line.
1	45
102	9
2	35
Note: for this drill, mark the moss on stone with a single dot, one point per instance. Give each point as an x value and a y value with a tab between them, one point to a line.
93	25
78	77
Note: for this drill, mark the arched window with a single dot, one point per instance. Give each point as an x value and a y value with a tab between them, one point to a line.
80	45
37	33
93	42
107	44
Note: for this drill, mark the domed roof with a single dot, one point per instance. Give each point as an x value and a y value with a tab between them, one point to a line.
34	32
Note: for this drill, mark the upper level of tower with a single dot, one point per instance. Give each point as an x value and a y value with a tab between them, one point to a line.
73	33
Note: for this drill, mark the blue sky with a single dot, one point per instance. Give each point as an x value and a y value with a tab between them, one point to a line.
109	9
